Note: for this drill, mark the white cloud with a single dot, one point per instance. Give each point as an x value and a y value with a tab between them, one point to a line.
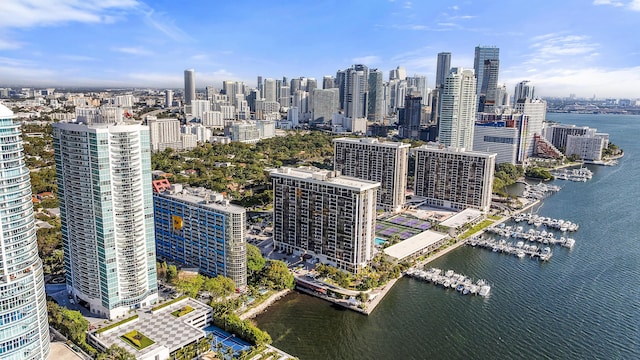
556	47
608	2
366	60
133	51
9	44
603	82
634	5
408	5
29	13
77	57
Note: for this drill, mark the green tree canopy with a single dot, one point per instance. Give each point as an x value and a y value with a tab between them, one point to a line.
255	260
278	276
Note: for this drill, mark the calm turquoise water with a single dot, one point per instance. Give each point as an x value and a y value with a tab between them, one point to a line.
379	241
582	304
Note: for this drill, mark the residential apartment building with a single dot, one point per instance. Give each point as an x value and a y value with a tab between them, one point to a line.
453	177
24	330
164	133
103	174
588	147
198	227
324	215
383	162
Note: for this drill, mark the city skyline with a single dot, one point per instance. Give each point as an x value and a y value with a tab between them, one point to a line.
581	47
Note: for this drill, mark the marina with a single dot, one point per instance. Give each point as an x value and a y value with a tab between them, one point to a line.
580	175
532	235
539	191
536	220
519	249
449	279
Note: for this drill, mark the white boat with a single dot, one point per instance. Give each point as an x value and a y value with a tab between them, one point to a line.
520	254
568	243
484	290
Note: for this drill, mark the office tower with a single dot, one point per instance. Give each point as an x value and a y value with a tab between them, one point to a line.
458	109
454	178
324	215
486	65
399	73
254	95
536	111
168	98
269	90
376	96
410	118
383	162
295	85
356	91
164	133
340	84
210	92
324	103
328	82
24	326
312	84
503	134
198	227
103	174
418	83
397	92
443	68
189	86
260	84
502	97
285	96
524	89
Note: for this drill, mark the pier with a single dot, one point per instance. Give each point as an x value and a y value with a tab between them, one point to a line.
532	235
449	279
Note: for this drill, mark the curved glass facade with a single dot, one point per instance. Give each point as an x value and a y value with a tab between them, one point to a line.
24	330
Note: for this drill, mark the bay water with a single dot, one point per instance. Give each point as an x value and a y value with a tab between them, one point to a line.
582	304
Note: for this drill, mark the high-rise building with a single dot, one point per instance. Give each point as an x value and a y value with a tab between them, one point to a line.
260	84
443	68
324	103
312	84
418	84
189	86
269	90
536	112
328	82
356	91
198	227
24	328
383	162
458	111
503	134
524	90
164	133
168	98
103	173
454	178
399	73
486	65
410	118
376	94
327	216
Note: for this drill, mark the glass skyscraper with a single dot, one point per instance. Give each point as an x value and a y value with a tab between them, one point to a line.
106	207
24	330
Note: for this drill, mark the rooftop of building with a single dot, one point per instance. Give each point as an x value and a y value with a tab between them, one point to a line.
414	244
5	112
372	141
440	148
325	176
462	218
201	196
162	327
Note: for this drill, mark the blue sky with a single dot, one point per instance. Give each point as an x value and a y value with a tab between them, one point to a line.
584	47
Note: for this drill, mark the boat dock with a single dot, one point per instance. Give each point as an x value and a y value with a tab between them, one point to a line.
449	279
532	235
581	175
520	249
536	220
539	191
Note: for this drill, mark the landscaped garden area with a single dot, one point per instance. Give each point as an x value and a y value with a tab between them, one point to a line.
182	311
137	339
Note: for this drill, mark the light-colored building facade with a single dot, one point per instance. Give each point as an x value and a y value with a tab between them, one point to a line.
503	134
198	227
327	216
106	208
189	86
585	147
454	178
383	162
536	112
24	330
458	109
164	133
